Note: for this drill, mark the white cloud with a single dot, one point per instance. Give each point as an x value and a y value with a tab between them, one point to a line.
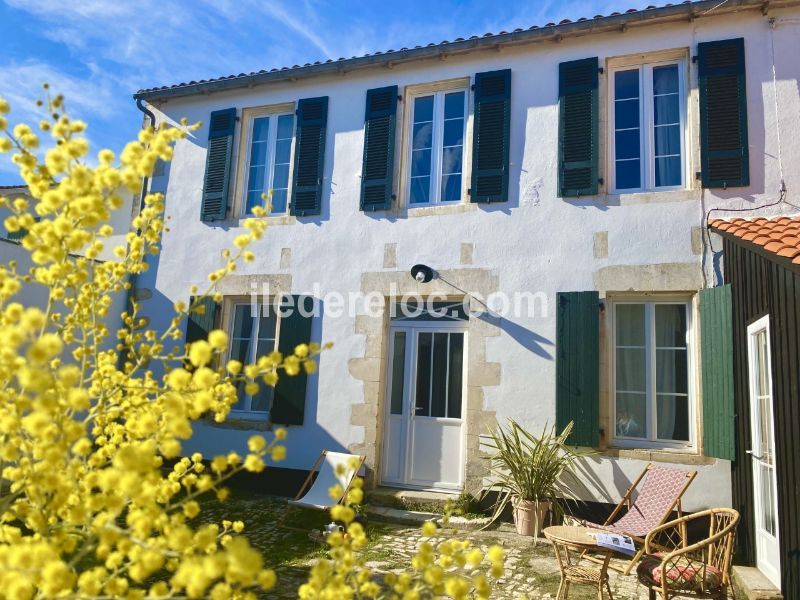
21	84
89	98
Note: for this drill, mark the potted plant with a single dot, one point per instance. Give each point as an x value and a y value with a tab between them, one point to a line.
529	470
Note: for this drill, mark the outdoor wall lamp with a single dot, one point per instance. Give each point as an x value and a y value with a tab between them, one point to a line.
422	273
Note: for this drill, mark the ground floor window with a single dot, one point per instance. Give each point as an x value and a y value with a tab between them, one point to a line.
652	399
253	332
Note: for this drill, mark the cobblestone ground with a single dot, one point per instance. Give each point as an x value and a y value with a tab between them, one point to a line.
531	568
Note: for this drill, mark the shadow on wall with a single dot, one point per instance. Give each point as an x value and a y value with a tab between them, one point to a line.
527	338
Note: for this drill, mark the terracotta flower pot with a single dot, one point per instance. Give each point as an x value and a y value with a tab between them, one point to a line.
529	516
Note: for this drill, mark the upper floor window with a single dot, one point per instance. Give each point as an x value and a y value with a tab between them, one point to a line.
437	131
268	161
252	335
647	123
652	374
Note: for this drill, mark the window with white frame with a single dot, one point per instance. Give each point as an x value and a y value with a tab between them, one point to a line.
253	333
647	116
437	131
269	156
652	400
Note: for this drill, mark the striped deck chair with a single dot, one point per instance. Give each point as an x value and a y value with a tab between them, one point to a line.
660	494
334	467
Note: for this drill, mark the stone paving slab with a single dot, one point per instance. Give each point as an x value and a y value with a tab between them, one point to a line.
531	568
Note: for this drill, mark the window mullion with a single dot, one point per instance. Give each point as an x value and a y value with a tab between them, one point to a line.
650	361
436	144
253	346
269	171
648	138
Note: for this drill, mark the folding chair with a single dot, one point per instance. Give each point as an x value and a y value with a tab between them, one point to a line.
317	497
661	493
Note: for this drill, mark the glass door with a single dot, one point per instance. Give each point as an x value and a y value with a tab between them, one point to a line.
762	451
423	433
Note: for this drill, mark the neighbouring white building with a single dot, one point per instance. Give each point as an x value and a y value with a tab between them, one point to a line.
34	294
572	166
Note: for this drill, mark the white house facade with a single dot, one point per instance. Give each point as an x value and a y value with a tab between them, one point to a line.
561	175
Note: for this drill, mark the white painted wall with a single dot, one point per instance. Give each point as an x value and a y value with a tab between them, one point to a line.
535	242
33	294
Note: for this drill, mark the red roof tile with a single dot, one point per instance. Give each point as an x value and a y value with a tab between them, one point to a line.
780	235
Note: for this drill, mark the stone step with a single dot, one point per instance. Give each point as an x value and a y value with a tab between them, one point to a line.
411	500
400	516
754	585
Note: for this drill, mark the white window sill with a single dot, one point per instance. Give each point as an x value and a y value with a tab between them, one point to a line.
440	209
243	422
272	221
680	456
651	197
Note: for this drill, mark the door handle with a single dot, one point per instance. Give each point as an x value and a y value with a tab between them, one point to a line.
754	455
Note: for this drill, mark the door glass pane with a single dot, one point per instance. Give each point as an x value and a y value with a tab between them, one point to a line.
283	152
671	372
627	130
452	146
666	126
398	372
626	113
670	325
261	401
424	351
630	325
423	136
626	84
665	79
256	179
762	388
668	171
631	415
451	187
423	109
767	484
439	376
629	175
242	322
240	345
455	376
765	451
266	326
672	417
630	371
420	190
264	347
421	150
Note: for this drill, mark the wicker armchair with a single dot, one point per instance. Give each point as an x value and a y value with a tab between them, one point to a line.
701	570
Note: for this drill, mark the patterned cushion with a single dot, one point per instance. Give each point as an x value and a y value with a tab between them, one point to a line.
687	575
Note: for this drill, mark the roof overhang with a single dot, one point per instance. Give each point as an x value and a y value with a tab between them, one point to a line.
776	238
687	11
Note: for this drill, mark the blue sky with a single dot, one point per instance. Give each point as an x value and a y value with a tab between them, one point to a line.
98	52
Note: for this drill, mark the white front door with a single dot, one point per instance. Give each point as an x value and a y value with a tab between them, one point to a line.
423	434
762	426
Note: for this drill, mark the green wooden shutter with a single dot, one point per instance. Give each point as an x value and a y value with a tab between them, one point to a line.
309	156
16	236
379	135
218	164
578	365
577	128
200	325
716	346
490	138
288	406
724	151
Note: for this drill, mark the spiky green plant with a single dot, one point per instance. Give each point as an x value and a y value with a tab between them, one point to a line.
526	467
